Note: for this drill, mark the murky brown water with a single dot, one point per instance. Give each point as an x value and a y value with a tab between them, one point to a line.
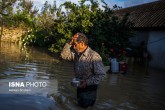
139	89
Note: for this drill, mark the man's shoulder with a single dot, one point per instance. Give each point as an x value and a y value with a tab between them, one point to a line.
95	54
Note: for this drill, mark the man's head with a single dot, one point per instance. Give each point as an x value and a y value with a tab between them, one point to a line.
80	42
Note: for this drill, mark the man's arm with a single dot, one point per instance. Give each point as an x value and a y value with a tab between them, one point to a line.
67	53
98	71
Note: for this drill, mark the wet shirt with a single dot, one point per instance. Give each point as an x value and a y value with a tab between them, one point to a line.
87	66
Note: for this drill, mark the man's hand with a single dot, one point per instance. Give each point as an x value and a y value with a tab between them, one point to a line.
73	39
83	84
71	42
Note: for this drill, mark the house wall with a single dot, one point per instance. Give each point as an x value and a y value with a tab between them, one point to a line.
140	36
156	48
155	43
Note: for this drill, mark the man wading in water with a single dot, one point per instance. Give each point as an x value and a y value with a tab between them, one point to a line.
88	67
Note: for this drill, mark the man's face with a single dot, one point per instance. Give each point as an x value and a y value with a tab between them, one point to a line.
77	45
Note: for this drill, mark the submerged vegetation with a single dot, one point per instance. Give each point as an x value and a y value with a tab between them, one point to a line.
52	26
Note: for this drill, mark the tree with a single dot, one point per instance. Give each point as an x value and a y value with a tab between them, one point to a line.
103	28
25	16
46	18
4	5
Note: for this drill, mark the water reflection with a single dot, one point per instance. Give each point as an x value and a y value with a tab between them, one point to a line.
20	64
113	79
138	89
25	102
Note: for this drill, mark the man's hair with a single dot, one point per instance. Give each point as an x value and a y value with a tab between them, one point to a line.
82	38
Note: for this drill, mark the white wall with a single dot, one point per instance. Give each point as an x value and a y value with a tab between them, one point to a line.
156	48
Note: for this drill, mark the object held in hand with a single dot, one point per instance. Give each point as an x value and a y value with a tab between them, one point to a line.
75	82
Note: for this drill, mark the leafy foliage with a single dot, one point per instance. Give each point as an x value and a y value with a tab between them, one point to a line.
53	26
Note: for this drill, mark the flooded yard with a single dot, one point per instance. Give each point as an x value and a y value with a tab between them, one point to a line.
139	89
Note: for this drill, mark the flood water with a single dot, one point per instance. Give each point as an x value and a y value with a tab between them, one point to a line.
139	89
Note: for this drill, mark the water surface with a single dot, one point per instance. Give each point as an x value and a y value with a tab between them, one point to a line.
139	89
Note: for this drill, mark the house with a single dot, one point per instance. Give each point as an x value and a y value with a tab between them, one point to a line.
149	25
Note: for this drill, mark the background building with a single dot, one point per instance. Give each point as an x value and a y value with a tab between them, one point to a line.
149	25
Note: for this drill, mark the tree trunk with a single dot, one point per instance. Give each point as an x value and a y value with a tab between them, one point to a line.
1	30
